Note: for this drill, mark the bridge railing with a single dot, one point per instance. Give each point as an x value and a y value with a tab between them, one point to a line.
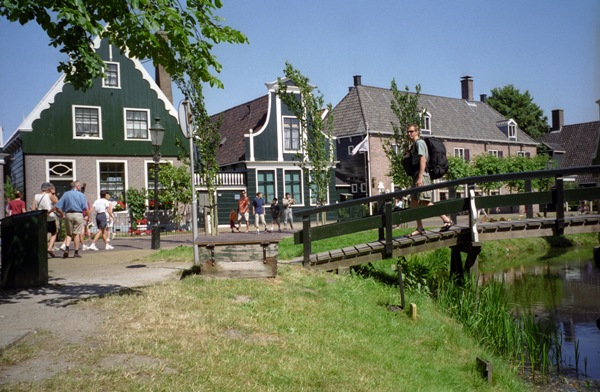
385	218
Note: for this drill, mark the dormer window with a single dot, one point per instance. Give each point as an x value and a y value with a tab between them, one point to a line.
512	130
112	77
291	134
509	128
426	123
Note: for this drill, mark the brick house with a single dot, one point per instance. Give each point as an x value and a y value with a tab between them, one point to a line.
573	145
363	119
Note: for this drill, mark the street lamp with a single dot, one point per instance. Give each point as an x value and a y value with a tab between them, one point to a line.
157	132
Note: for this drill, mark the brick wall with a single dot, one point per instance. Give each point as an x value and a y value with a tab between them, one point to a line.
86	171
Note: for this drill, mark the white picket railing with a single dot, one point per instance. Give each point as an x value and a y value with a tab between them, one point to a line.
225	179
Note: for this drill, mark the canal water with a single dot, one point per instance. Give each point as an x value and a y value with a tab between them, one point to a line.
563	289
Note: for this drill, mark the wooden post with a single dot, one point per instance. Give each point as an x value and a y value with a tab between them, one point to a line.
558	197
485	368
528	207
388	229
456	268
306	240
473	214
401	284
413	311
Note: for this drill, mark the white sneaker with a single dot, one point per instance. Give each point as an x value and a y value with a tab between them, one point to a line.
85	247
109	247
63	247
92	247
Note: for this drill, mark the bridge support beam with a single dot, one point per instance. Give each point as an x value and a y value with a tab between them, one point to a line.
456	263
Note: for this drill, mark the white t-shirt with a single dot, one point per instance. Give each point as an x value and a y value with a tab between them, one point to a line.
43	202
101	206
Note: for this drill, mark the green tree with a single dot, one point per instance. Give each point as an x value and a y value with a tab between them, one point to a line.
175	190
458	168
191	31
316	156
487	164
136	205
405	106
511	103
188	35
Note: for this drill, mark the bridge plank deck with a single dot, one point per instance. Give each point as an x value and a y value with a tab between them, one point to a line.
457	235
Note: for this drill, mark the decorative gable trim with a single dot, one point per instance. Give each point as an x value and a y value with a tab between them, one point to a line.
27	124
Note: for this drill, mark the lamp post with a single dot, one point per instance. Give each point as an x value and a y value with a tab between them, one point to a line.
157	132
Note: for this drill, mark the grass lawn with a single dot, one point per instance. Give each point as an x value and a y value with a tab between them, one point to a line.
301	331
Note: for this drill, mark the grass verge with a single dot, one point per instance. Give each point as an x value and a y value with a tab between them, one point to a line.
301	331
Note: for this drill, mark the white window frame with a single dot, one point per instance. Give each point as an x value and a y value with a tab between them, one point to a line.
51	163
460	152
274	171
287	150
125	173
512	130
350	148
426	121
74	113
354	188
522	153
363	187
105	81
493	152
125	110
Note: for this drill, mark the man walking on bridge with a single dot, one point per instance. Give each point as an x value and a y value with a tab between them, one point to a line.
420	157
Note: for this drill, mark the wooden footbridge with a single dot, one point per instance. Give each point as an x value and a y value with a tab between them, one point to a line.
460	239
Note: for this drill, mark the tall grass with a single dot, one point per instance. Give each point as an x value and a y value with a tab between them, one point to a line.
484	310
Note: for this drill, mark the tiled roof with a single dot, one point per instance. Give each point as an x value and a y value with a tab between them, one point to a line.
580	143
236	122
451	118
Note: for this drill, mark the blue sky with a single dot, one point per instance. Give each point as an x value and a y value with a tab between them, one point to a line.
549	47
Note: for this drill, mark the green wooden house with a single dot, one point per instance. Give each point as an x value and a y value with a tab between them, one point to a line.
260	140
99	136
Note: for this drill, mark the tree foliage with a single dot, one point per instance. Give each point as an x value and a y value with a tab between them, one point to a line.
206	137
175	189
136	205
192	31
486	164
458	168
316	156
405	106
511	103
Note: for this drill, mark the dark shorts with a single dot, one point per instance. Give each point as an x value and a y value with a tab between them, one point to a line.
101	221
51	227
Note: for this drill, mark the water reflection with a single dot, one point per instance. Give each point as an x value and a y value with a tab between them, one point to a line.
566	292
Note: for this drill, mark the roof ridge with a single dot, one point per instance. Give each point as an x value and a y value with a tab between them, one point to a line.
240	105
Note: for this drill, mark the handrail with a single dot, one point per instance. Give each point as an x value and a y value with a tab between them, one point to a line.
455	183
386	218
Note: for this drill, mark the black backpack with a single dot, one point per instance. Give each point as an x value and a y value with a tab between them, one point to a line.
437	166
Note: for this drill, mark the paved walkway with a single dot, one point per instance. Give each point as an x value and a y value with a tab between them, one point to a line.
96	273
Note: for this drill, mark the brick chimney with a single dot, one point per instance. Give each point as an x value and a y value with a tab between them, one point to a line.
557	119
162	77
357	80
466	84
483	98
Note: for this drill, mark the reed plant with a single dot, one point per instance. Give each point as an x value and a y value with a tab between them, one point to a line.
486	313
